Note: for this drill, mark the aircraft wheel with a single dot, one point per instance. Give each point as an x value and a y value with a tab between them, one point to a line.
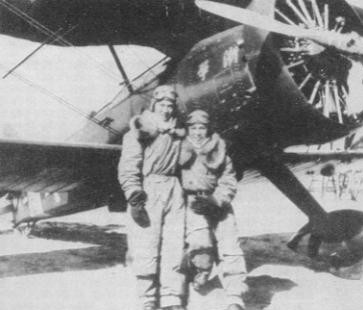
339	242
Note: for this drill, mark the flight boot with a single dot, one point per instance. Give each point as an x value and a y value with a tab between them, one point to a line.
200	280
235	307
150	305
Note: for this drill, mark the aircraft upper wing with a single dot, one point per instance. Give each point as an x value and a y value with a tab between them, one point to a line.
50	167
172	27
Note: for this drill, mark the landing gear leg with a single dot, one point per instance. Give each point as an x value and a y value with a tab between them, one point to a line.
313	246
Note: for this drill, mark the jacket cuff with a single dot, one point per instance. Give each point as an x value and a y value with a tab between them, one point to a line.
128	193
219	200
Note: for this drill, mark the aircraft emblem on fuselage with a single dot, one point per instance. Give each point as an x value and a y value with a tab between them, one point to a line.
203	69
230	56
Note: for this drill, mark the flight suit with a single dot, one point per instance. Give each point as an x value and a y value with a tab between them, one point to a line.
207	170
148	162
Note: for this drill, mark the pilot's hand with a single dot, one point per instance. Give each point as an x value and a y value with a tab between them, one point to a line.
187	154
138	213
205	206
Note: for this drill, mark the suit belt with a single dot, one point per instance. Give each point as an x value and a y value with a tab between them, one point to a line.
197	193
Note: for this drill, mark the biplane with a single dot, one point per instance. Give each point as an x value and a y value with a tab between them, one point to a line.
272	73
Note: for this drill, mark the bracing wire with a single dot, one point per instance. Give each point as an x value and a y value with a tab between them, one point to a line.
134	79
49	40
34	23
62	101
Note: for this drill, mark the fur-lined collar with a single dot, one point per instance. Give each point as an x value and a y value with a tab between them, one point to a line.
148	125
212	152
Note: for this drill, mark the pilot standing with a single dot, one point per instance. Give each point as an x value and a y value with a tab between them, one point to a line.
209	181
146	174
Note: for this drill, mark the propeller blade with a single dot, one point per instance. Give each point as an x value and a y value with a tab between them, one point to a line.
356	3
250	18
350	43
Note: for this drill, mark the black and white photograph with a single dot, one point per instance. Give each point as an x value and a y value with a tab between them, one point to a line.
181	154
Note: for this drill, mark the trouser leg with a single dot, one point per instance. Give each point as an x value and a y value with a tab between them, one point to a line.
200	252
200	249
200	257
172	282
199	240
144	246
232	262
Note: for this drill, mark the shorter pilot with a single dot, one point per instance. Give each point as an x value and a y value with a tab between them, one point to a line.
209	181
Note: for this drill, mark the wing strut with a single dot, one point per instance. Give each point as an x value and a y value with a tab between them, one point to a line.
121	68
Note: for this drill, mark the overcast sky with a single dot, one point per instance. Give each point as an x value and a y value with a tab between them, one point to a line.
86	77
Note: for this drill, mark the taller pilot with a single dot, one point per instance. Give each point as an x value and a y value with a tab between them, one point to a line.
146	173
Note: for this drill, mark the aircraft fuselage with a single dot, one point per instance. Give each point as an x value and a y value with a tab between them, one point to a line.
239	77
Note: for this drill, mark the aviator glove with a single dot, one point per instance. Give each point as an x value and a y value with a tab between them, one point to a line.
206	205
137	202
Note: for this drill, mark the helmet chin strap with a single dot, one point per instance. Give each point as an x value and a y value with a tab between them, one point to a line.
165	125
198	144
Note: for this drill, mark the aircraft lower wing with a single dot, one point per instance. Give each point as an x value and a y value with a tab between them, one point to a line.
321	156
53	167
49	167
309	162
49	179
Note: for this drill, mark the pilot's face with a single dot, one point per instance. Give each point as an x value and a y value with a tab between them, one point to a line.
198	132
164	108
